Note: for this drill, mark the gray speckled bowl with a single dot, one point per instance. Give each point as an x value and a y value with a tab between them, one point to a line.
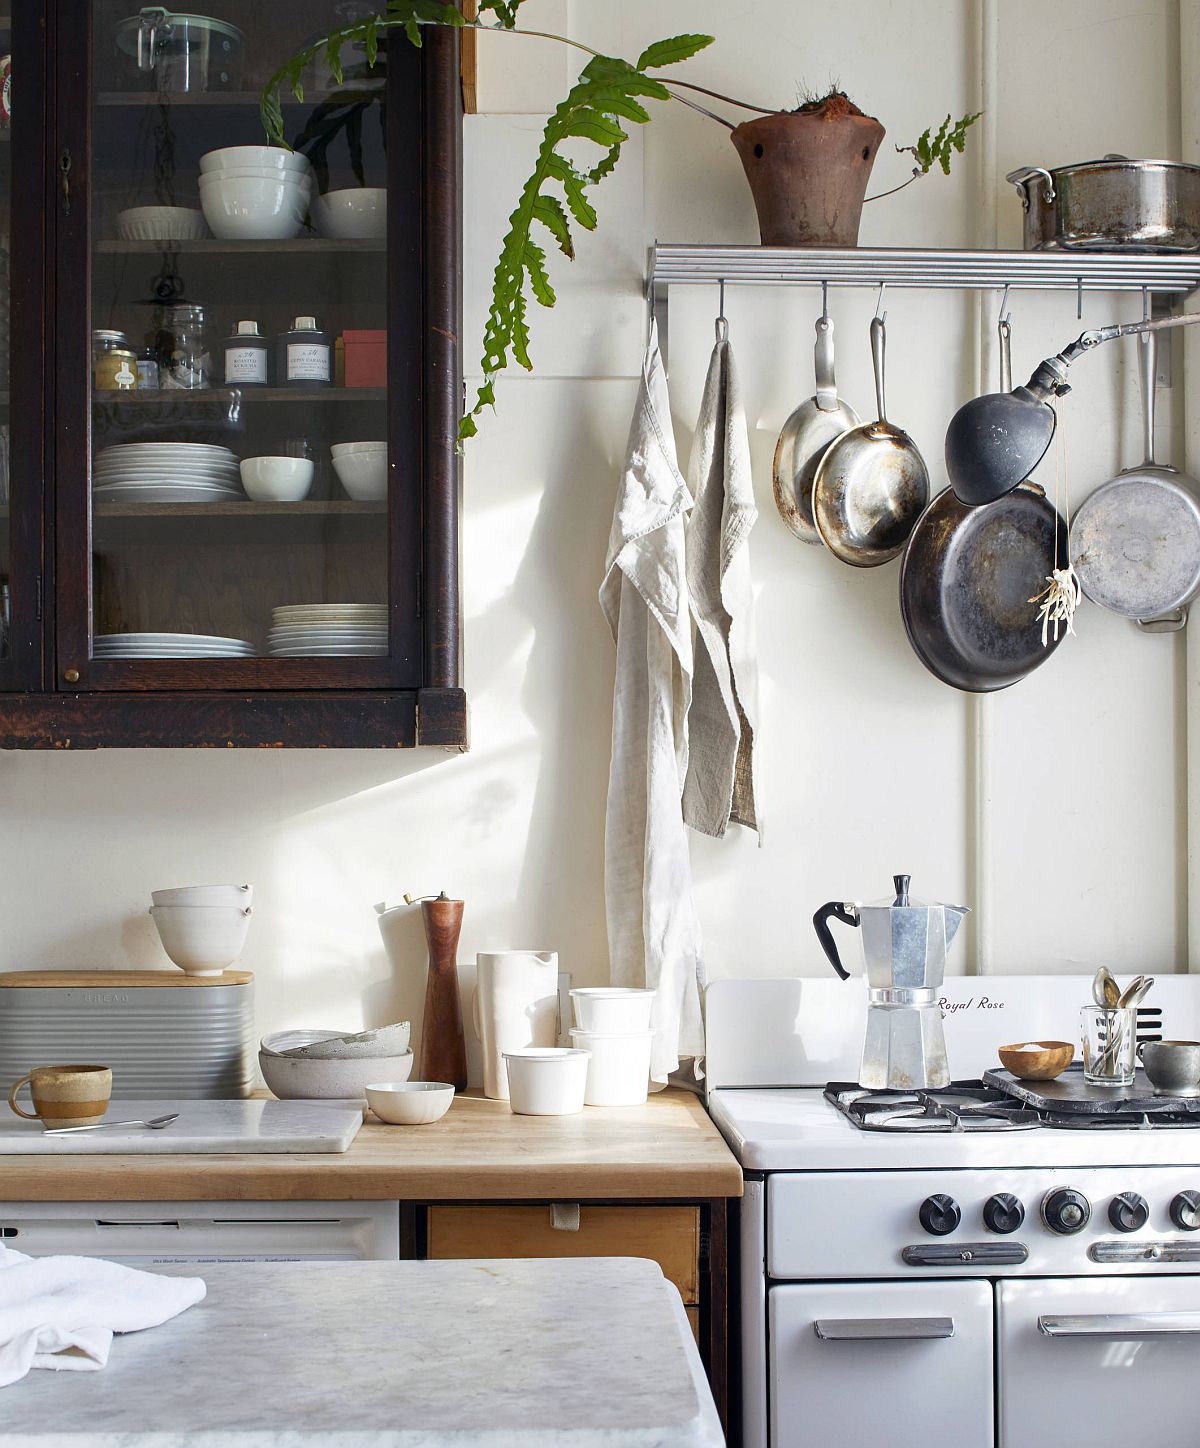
297	1078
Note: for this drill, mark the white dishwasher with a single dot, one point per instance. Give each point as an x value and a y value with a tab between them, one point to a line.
146	1233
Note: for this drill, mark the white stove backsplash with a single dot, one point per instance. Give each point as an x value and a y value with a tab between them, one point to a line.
807	1031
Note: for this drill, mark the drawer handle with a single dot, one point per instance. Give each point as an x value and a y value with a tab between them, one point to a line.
883	1329
1123	1325
564	1216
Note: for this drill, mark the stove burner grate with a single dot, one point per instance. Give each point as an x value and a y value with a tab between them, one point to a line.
976	1106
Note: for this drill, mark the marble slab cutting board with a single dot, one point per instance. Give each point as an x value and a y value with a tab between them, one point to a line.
204	1128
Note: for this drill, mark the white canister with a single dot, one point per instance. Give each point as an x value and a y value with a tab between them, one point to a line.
515	1007
612	1009
618	1073
547	1083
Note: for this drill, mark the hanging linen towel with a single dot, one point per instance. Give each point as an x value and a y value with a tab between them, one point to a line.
652	934
62	1312
721	721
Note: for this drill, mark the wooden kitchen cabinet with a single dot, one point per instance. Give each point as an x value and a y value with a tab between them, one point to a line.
96	135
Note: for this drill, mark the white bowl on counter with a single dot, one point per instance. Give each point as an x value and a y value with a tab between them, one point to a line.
248	209
202	939
362	474
611	1009
371	1044
409	1103
618	1072
240	895
358	213
546	1081
277	479
161	223
273	158
301	1078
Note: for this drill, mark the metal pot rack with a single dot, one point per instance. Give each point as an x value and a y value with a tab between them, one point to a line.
674	264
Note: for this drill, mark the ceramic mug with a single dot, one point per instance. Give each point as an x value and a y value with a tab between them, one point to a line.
1172	1067
65	1095
515	1007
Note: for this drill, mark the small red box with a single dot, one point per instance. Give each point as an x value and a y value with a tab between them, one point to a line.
366	359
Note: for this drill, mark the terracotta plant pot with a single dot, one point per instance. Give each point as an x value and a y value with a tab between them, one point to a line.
808	171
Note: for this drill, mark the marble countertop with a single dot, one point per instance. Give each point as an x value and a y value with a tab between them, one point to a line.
485	1354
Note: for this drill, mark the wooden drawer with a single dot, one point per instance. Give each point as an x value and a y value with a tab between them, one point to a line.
669	1236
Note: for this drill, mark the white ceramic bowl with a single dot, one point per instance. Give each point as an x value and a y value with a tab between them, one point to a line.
242	209
545	1081
614	1010
268	157
161	223
202	939
357	214
409	1103
297	180
240	895
300	1078
378	1044
346	449
618	1072
277	480
363	474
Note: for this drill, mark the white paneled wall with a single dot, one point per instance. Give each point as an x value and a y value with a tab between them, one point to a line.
1073	840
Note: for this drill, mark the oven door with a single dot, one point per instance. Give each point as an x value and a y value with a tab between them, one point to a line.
1106	1361
885	1364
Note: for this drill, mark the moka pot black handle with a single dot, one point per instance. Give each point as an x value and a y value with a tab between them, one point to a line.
848	916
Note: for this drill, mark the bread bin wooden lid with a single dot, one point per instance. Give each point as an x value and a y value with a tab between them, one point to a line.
116	979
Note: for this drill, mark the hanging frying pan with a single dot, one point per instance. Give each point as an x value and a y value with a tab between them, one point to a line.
1135	542
967	581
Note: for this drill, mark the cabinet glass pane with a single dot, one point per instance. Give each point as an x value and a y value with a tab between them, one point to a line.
6	649
239	300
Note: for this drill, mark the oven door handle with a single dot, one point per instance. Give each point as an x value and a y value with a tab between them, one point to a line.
883	1329
1123	1325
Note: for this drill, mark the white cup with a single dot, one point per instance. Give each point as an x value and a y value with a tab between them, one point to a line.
515	1007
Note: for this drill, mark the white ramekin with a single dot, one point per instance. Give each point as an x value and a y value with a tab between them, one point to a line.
546	1081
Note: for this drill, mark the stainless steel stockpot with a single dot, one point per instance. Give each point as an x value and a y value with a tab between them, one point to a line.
1114	204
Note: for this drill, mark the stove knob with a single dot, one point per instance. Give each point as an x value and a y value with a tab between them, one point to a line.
1003	1213
1066	1210
1128	1212
940	1215
1185	1211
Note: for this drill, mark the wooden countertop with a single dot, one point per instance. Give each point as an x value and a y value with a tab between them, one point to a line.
479	1151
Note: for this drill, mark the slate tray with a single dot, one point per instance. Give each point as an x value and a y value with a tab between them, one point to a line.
1070	1092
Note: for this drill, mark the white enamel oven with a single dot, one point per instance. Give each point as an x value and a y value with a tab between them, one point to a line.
873	1332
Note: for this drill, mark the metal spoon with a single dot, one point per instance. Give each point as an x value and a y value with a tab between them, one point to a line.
156	1123
1133	994
1105	990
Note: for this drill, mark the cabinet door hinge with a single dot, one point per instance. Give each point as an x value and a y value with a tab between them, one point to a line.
37	595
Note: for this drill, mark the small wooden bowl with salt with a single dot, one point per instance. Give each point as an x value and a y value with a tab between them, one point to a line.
1037	1060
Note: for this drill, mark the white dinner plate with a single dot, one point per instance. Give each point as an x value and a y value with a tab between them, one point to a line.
320	613
143	637
170	495
197	449
184	472
328	635
330	651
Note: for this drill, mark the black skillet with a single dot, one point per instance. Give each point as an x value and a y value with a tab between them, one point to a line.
967	579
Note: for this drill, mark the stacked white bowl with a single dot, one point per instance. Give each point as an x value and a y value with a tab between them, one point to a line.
361	468
613	1023
202	927
310	1065
255	193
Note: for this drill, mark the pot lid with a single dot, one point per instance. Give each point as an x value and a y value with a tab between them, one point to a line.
1116	162
127	30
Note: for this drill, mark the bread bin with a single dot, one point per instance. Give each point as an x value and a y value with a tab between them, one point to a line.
165	1034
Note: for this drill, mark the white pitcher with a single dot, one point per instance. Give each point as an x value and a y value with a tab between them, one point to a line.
515	1005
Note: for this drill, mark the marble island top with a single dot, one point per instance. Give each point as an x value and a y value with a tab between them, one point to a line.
483	1354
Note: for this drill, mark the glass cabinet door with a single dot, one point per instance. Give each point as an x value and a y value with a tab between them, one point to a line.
238	482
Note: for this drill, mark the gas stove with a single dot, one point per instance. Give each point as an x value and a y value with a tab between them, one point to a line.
1015	1256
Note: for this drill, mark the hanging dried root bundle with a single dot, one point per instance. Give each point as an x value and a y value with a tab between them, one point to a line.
1058	600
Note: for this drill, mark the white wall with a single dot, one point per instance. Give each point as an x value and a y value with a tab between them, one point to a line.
870	766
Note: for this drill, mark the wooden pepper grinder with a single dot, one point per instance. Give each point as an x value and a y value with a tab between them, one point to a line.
443	1047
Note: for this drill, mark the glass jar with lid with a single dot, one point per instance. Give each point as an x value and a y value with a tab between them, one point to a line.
114	363
182	346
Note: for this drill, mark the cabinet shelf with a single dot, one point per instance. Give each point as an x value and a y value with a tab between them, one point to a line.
240	522
300	246
247	394
211	99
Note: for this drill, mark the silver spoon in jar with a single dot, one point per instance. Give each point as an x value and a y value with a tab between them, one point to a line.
156	1123
1105	990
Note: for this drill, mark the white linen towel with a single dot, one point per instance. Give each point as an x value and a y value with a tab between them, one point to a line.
62	1312
721	722
653	937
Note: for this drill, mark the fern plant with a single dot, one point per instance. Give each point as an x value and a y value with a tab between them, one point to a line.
608	93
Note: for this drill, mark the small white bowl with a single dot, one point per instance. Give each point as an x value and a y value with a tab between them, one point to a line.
409	1103
161	223
348	449
615	1010
356	214
239	895
618	1072
274	158
301	1078
202	939
245	209
546	1081
363	474
277	480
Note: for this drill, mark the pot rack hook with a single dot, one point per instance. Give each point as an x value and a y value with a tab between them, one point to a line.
880	314
1145	308
825	301
1005	314
1079	299
722	323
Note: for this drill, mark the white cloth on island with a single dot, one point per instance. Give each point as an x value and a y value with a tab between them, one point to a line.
62	1312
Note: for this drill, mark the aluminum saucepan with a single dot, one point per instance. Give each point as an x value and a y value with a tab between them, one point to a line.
871	483
805	436
1135	541
1111	205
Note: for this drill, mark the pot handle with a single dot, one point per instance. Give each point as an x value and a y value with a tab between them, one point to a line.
848	915
1021	178
1169	623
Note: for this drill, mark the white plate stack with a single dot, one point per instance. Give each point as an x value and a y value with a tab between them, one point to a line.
170	646
166	472
324	630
